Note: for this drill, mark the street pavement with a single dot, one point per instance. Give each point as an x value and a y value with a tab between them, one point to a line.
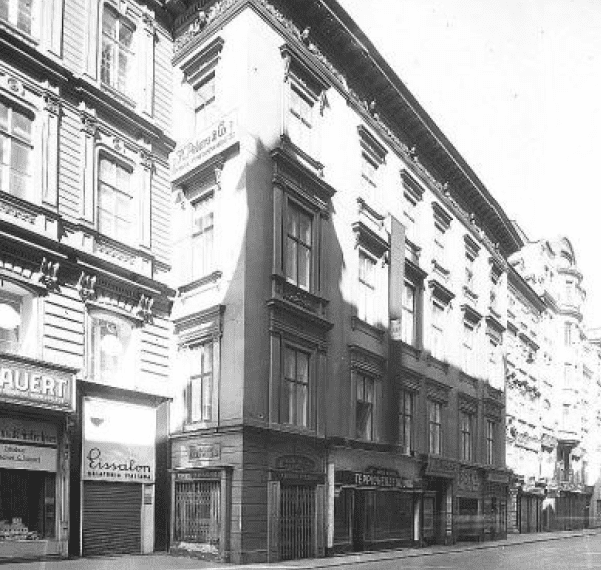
576	550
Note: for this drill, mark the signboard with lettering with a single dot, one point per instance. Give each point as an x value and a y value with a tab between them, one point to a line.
192	454
373	477
220	136
396	332
199	474
32	385
29	457
439	467
119	442
27	432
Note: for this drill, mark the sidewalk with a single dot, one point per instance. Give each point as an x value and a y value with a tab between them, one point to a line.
162	561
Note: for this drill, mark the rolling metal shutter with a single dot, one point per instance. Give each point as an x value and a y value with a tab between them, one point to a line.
112	521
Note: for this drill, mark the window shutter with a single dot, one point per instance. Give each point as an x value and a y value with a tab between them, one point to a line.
273	512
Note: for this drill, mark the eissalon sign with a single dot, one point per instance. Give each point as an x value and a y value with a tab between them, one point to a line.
220	136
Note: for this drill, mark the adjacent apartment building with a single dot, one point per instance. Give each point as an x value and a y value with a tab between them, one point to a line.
85	102
553	390
341	298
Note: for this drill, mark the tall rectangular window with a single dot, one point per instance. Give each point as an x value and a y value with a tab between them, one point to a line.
365	407
407	409
367	288
198	395
409	317
18	13
115	200
300	121
16	150
202	237
569	334
117	50
204	102
468	348
299	243
435	427
369	170
437	330
469	269
466	436
490	442
112	354
295	398
440	243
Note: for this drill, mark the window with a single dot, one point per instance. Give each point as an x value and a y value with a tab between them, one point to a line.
490	441
469	269
408	322
18	13
570	292
369	169
494	372
117	50
18	332
16	150
569	334
367	288
437	330
198	394
204	102
300	121
115	200
365	407
435	427
295	402
299	239
439	243
442	222
466	436
468	348
111	347
202	237
407	407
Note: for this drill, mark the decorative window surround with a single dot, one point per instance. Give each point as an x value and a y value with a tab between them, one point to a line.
142	76
437	391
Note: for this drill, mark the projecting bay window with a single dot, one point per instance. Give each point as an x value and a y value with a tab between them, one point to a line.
16	150
434	427
298	260
117	56
116	204
295	404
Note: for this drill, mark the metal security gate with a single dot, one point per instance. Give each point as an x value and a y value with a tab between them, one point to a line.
297	522
198	512
112	518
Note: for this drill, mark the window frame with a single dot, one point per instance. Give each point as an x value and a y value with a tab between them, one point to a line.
409	311
29	344
435	423
437	338
491	426
207	345
364	380
126	165
367	300
13	13
290	204
407	421
209	265
285	400
468	346
466	432
204	108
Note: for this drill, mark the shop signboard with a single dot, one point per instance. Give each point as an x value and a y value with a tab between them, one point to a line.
29	384
220	136
188	454
27	432
28	457
396	331
119	442
373	477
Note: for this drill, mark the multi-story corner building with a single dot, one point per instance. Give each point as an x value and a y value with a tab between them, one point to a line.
554	426
84	250
340	273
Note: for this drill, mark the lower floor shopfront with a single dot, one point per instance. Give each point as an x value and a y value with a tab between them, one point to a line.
37	405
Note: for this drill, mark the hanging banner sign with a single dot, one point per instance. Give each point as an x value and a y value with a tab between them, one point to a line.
29	457
220	136
119	442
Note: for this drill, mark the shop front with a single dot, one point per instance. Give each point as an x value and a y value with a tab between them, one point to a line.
439	479
37	405
495	502
376	502
118	477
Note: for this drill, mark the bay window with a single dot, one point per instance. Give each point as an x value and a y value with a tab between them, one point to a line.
16	150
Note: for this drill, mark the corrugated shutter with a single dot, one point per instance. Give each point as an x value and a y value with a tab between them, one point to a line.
112	520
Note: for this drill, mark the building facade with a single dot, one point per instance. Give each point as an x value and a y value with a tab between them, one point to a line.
84	253
552	389
329	388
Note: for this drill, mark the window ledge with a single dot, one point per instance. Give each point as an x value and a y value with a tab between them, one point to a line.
438	363
122	97
13	30
213	277
374	331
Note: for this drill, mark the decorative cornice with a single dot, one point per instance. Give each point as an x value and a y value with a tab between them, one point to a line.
86	286
49	274
440	291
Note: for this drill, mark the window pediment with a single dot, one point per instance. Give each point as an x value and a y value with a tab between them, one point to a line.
411	185
202	61
440	292
371	145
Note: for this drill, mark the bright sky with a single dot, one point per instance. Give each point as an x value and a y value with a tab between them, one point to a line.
516	86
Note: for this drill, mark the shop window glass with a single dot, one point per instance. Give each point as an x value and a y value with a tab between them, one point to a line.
112	349
16	150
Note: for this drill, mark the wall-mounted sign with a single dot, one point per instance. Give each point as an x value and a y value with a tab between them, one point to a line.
27	432
119	442
192	454
198	474
396	332
438	467
295	463
28	457
217	138
373	477
498	477
32	385
469	480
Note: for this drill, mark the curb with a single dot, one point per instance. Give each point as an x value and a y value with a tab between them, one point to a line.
415	553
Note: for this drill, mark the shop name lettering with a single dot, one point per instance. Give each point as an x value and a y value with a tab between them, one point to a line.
127	470
15	453
201	148
35	386
368	479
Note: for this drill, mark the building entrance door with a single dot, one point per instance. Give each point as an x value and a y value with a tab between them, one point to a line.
359	521
297	522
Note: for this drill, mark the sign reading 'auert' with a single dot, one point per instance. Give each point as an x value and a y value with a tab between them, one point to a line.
220	136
